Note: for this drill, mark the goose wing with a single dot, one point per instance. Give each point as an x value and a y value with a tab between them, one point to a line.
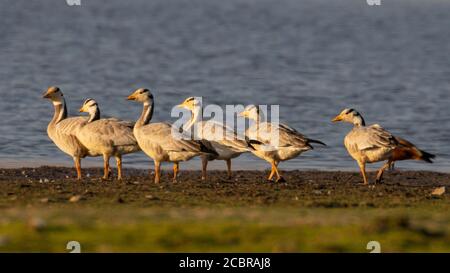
108	130
127	123
218	132
70	126
64	135
373	137
161	134
291	137
287	136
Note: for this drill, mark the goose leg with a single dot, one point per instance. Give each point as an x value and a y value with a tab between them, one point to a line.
157	171
392	166
229	168
175	171
77	162
386	166
105	167
204	165
362	167
272	173
119	167
279	177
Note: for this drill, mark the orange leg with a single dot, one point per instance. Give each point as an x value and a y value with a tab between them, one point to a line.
175	171
362	167
77	162
382	169
157	172
229	168
119	167
105	167
279	177
272	171
204	166
392	166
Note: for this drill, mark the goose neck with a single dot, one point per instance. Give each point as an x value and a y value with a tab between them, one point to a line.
146	116
94	114
196	116
60	111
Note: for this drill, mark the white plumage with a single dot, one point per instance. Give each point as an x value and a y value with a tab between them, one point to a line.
222	138
274	142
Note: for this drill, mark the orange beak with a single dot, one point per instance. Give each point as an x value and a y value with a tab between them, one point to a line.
131	97
46	95
337	118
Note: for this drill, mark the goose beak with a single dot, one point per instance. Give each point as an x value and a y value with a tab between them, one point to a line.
337	118
181	105
81	110
46	95
241	114
131	97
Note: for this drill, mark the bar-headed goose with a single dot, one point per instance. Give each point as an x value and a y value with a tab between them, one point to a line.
157	140
106	137
63	130
274	142
368	144
223	139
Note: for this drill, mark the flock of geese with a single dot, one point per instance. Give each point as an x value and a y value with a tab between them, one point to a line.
94	136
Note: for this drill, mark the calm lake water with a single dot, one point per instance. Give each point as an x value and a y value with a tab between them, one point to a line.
313	58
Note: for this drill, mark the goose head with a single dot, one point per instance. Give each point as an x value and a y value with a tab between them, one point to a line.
251	112
191	103
91	106
142	95
54	94
351	116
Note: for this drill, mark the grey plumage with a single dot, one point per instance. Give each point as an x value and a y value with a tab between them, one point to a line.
368	144
106	137
63	130
275	142
157	140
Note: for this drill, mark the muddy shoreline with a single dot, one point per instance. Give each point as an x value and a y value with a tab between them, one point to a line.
56	186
